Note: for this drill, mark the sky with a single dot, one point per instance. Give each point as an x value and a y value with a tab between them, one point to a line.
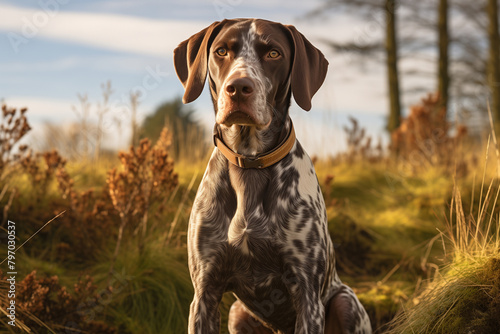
52	50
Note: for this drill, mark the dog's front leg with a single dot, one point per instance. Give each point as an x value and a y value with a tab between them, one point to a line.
204	315
310	316
307	302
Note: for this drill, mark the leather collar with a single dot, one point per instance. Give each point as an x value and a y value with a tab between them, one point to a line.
259	161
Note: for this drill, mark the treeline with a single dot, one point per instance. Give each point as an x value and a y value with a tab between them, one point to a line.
463	34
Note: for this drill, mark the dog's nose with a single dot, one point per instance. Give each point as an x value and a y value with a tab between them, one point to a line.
240	87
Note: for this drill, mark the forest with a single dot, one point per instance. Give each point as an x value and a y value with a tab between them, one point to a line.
97	238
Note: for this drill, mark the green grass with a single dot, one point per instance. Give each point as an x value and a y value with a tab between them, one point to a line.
381	220
398	211
152	291
389	227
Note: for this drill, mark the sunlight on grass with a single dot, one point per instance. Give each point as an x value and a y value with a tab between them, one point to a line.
417	240
153	290
465	298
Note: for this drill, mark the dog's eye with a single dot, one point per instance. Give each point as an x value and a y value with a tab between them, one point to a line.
273	54
221	52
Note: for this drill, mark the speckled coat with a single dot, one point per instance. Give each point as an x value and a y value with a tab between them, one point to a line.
261	233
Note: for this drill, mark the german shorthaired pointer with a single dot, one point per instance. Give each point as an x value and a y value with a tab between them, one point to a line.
258	226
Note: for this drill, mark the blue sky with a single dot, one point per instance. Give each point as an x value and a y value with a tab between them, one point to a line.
53	49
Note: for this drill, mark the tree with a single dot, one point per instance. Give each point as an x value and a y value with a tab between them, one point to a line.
464	72
391	47
370	8
494	60
443	41
188	136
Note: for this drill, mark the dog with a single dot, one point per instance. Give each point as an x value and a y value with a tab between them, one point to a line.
258	226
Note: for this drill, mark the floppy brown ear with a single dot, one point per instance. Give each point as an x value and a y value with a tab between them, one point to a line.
308	69
191	61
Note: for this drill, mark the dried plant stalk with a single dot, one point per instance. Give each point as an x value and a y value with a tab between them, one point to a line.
147	176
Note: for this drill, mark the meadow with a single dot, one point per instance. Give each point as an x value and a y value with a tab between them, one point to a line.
101	245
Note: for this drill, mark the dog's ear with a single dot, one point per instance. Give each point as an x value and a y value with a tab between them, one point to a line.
191	61
308	69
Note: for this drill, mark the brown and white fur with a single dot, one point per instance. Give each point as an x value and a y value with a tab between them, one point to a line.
261	233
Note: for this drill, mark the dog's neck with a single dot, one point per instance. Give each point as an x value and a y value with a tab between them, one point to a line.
251	141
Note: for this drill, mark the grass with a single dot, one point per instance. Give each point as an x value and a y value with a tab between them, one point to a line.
398	213
380	219
151	291
464	300
417	244
464	296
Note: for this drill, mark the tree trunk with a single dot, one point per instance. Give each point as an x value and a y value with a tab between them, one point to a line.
392	67
443	75
493	65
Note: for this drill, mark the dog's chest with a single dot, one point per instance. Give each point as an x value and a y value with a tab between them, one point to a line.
249	227
247	209
252	227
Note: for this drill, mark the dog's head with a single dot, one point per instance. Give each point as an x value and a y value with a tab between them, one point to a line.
254	66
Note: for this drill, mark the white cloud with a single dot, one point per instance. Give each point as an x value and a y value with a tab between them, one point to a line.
107	31
143	35
42	108
348	88
49	66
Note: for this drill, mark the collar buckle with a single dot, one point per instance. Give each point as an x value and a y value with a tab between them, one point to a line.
243	162
261	161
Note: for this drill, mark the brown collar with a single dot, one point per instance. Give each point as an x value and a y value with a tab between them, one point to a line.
260	161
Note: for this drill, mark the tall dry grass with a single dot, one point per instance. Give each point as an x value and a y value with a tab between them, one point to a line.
381	210
464	294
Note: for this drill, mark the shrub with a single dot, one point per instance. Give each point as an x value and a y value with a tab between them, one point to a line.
13	128
424	138
147	176
44	303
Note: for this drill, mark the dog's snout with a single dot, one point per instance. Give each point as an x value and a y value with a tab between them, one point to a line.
240	87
